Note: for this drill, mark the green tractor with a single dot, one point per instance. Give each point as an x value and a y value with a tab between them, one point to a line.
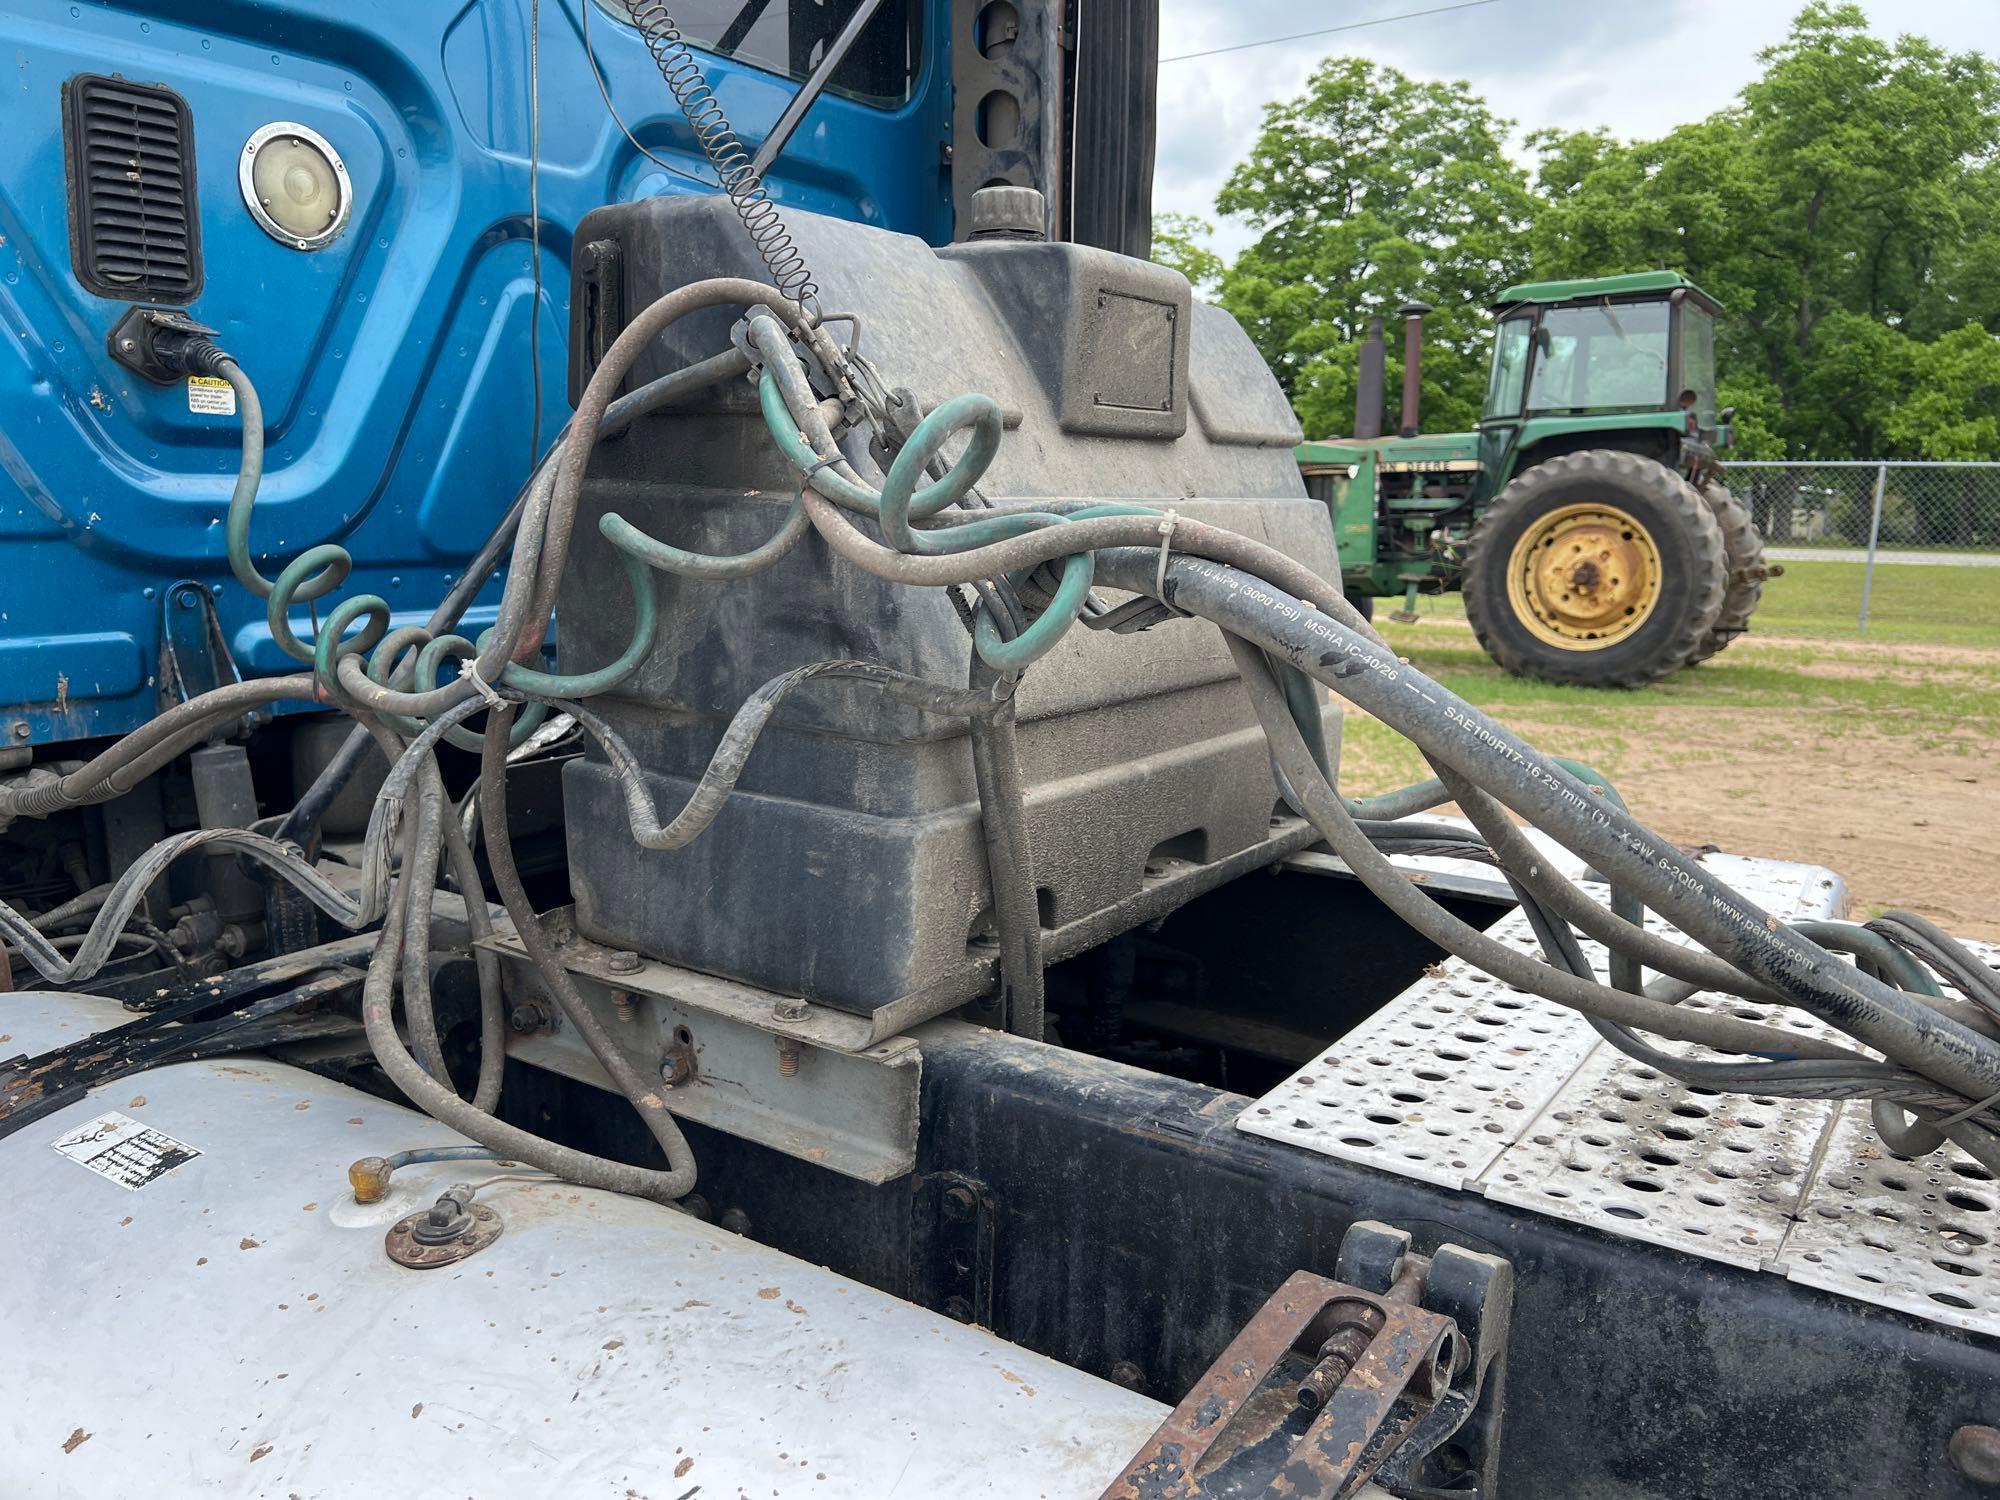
1585	521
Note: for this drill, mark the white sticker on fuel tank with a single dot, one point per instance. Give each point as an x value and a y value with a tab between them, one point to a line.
119	1148
211	396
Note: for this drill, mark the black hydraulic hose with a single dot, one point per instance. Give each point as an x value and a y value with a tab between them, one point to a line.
1416	907
1616	932
1887	1089
1944	953
1449	730
679	1178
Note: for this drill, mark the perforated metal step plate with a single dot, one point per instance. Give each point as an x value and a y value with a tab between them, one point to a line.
1473	1084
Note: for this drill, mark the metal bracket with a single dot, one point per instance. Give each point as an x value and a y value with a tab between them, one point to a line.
953	1246
1333	1383
758	1066
194	653
1246	1428
1454	1449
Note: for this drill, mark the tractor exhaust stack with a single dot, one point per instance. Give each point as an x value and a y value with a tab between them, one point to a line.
1412	314
1371	395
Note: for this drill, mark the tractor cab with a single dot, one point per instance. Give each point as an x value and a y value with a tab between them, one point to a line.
1611	362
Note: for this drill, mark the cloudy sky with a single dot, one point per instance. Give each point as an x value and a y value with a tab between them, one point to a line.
1638	66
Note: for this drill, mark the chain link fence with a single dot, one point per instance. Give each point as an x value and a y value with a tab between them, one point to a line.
1839	525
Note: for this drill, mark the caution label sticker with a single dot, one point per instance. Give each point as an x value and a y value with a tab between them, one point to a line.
211	396
119	1148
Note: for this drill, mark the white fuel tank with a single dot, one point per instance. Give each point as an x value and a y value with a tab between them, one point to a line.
226	1323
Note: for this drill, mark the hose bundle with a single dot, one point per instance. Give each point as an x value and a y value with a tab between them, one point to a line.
1928	1061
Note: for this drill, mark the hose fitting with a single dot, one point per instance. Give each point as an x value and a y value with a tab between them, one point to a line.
165	346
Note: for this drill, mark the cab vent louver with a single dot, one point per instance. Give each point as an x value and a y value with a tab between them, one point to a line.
133	229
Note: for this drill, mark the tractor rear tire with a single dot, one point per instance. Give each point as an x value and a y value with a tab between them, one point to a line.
1743	549
1598	569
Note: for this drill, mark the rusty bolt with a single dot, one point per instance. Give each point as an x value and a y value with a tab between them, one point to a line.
1129	1375
1975	1453
958	1309
676	1069
624	961
959	1204
788	1057
621	1002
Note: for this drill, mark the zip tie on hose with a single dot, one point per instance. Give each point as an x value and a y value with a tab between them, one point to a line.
1167	524
805	482
480	685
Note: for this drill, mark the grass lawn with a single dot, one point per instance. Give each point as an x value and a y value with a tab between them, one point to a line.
1803	661
1946	606
1950	606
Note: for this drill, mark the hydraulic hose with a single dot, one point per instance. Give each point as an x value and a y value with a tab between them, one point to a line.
1010	868
115	771
679	1178
443	1104
1450	731
1416	907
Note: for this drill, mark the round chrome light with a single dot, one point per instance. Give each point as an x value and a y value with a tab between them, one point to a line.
295	185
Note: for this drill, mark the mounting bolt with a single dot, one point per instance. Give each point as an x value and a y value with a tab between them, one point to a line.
958	1309
736	1221
789	1008
676	1069
788	1057
624	961
21	729
1129	1375
527	1016
1975	1453
959	1204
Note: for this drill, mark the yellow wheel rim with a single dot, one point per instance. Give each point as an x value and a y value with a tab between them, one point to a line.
1584	577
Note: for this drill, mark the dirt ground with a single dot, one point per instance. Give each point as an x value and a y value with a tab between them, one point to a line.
1881	763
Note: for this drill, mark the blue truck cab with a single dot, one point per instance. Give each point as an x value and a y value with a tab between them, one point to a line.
374	208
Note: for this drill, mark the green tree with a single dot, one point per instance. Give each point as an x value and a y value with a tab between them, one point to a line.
1846	212
1180	241
1369	189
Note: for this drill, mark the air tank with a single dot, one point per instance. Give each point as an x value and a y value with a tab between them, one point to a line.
194	1303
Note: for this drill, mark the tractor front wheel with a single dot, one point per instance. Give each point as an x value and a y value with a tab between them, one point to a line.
1600	568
